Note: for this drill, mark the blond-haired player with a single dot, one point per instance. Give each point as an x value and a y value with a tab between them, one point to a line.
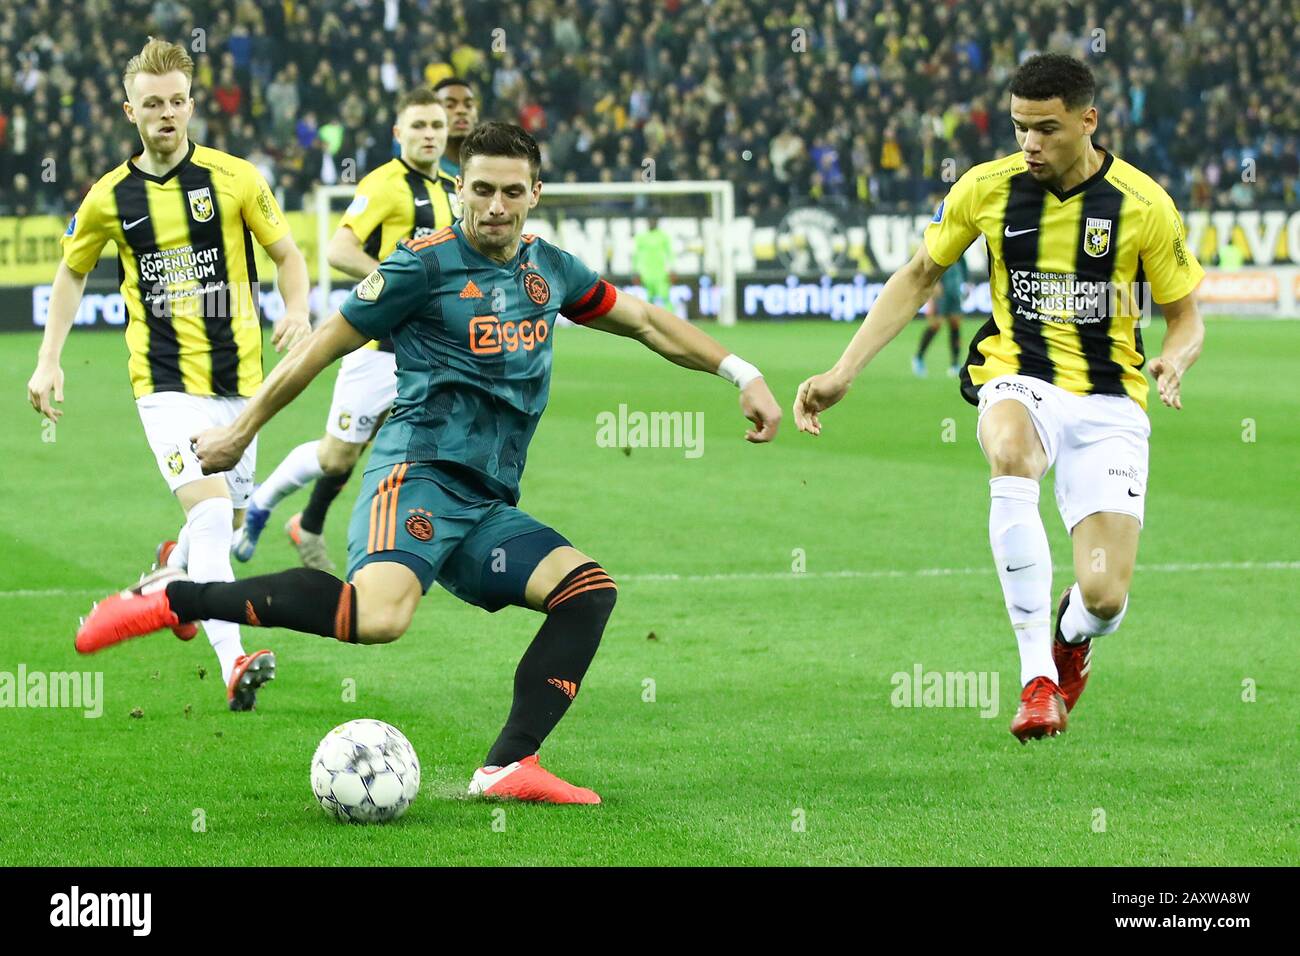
182	217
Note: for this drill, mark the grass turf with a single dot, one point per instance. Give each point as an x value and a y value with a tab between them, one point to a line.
771	737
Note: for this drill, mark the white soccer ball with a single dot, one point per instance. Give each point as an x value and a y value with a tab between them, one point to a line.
365	771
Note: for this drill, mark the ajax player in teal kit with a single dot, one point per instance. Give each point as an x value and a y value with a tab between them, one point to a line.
471	312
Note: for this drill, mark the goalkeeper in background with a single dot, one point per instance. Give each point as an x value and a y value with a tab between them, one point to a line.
653	261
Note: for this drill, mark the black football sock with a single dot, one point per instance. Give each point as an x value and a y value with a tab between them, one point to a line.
552	668
926	338
323	493
301	599
954	344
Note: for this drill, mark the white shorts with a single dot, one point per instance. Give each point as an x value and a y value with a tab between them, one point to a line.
171	418
1097	443
365	388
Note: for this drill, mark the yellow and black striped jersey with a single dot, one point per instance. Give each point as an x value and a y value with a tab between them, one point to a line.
396	202
185	261
1069	272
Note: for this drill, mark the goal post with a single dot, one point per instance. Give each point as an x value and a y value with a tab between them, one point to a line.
598	222
715	242
329	203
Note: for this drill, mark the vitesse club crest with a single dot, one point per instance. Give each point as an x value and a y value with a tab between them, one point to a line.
200	204
175	463
1096	240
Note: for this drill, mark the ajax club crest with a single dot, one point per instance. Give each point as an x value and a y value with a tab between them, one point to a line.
1096	239
201	204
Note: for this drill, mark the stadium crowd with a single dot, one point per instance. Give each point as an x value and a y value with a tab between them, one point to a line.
857	103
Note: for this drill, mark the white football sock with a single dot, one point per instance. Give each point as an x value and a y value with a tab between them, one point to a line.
1079	623
300	467
180	555
1024	563
210	534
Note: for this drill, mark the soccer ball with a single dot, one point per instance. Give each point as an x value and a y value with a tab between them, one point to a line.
365	771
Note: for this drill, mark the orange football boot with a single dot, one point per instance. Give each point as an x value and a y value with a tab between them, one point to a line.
164	551
1073	661
134	612
1042	711
251	672
144	609
527	780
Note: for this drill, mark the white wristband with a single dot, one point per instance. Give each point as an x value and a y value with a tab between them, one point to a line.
737	371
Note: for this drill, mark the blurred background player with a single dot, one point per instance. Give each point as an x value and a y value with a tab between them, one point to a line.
1056	373
408	197
457	98
653	262
181	215
945	307
439	499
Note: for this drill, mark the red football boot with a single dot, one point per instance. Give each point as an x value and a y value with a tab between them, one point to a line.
251	672
134	612
527	780
164	551
1073	661
1041	712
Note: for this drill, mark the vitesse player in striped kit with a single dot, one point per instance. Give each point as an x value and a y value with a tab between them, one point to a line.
184	218
408	197
1077	239
471	310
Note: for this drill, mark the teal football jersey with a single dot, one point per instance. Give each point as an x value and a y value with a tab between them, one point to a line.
473	340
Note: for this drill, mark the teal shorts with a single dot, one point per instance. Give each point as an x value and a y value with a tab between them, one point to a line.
950	302
444	529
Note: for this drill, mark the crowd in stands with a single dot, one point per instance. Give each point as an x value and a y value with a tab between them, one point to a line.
861	104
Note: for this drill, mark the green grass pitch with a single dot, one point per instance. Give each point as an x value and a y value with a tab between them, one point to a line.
768	735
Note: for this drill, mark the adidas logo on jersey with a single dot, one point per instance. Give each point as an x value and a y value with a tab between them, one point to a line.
471	291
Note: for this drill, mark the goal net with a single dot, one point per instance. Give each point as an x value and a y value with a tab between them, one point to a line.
599	223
